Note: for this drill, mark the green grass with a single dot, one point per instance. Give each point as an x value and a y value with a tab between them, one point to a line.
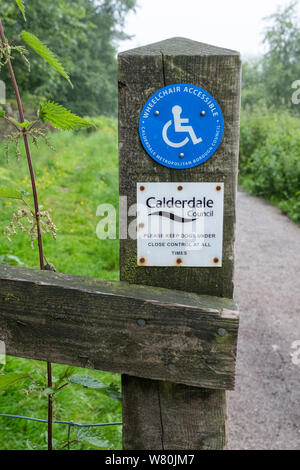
72	181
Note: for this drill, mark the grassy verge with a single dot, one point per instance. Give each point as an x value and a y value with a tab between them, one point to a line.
270	158
80	175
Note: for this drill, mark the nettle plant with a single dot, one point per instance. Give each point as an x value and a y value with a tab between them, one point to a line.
29	218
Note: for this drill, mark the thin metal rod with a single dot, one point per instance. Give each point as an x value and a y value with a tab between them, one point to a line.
69	423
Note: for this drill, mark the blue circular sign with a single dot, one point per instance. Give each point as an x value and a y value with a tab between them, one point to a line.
181	126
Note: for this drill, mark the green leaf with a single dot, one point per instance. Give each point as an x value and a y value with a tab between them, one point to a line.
26	124
10	379
10	193
86	381
22	125
2	113
88	436
21	6
44	52
65	374
60	117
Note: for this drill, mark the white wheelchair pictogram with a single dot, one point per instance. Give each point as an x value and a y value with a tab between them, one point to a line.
179	127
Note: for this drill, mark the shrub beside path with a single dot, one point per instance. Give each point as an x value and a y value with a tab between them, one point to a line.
265	408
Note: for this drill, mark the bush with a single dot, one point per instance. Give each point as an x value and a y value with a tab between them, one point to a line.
270	158
102	123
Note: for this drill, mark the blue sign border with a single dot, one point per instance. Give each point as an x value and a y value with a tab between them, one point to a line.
197	102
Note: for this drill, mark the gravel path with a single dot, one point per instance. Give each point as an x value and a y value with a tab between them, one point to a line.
264	410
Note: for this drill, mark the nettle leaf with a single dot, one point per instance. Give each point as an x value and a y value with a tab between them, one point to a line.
2	113
65	374
60	117
21	7
10	379
22	125
86	381
45	52
10	193
88	436
26	124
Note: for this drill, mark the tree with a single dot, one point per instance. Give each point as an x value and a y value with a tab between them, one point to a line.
281	64
84	33
253	86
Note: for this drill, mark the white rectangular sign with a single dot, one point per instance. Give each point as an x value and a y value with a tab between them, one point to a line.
180	224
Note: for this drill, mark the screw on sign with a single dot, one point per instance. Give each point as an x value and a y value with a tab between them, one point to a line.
180	222
178	162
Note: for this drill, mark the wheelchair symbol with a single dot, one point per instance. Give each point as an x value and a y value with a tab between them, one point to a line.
179	127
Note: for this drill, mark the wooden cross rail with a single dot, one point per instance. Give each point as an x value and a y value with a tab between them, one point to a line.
143	331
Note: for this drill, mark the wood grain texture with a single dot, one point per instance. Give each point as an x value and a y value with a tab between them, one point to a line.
157	416
182	418
114	326
142	72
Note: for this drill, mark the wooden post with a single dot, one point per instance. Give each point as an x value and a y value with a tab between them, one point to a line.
162	415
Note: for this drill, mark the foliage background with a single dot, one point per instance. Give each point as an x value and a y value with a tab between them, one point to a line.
270	124
270	158
84	34
82	173
267	80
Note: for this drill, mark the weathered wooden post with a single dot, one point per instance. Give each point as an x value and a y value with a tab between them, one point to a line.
176	148
176	347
